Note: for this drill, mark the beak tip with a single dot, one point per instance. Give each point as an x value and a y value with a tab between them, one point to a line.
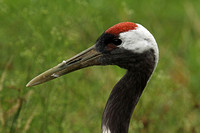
29	84
32	83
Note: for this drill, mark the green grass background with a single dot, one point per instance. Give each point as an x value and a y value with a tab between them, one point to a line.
38	34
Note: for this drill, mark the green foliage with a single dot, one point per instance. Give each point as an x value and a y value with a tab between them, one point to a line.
38	34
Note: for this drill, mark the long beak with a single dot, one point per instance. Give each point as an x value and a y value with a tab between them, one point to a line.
84	59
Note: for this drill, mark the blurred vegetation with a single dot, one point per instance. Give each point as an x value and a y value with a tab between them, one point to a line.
38	34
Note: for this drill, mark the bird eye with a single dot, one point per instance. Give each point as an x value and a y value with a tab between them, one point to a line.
117	42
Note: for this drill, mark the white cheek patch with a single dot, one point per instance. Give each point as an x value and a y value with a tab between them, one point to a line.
138	46
138	41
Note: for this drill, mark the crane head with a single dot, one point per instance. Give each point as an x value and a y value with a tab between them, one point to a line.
128	45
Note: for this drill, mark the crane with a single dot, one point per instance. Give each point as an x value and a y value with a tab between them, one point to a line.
128	45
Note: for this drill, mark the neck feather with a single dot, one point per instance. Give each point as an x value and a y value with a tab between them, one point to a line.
122	101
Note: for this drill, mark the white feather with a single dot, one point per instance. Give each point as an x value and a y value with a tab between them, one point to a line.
105	129
139	41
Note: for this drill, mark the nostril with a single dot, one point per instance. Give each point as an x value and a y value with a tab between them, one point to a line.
74	61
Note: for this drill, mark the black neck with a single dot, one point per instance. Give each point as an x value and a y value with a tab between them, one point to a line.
122	101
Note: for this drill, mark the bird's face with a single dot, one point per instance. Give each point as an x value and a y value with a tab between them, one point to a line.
125	44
